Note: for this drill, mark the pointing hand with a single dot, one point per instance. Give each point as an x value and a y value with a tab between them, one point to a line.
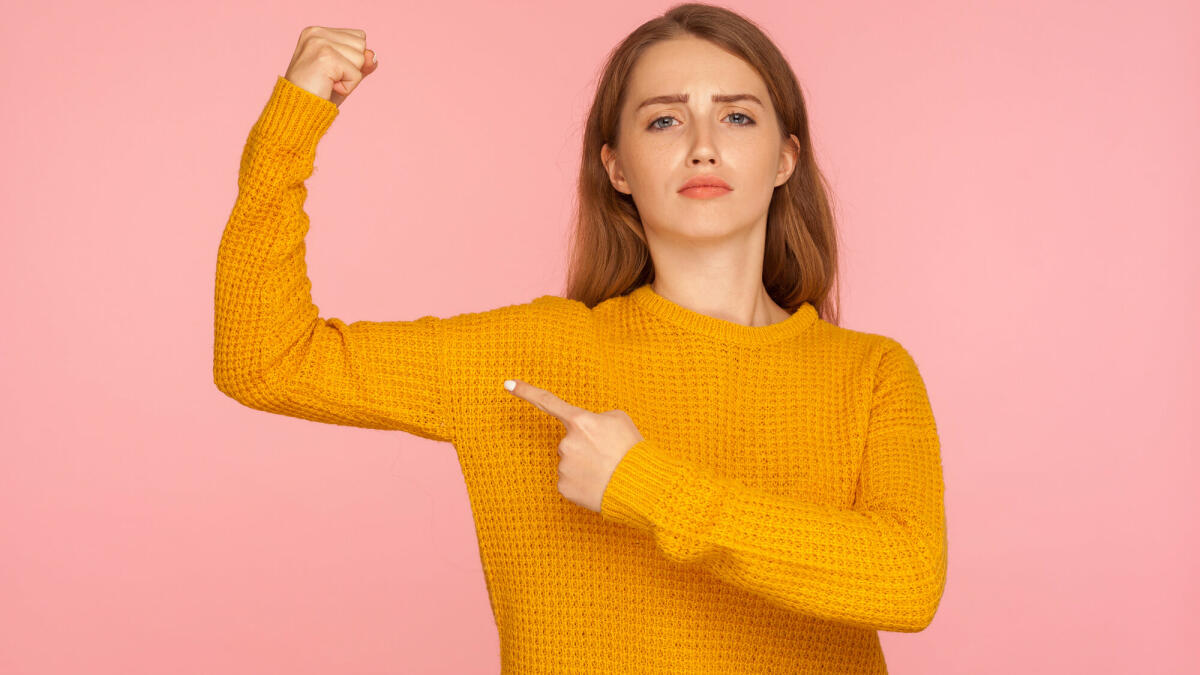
595	443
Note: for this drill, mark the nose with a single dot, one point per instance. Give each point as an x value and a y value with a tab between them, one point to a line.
703	150
702	153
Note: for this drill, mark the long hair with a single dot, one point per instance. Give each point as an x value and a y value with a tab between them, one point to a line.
608	253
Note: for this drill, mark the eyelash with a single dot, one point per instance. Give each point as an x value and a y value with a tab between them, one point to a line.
654	122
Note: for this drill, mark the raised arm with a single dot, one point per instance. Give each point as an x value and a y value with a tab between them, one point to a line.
272	351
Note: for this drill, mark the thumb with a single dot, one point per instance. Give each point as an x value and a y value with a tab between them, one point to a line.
352	77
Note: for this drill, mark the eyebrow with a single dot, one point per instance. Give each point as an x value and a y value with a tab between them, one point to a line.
682	98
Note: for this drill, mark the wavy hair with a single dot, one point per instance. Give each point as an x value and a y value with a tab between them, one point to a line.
608	254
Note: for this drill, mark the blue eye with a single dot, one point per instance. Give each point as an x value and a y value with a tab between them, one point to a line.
654	126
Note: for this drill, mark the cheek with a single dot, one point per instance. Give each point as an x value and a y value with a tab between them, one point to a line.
753	168
664	159
647	170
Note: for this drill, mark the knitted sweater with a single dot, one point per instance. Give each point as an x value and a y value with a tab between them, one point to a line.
785	505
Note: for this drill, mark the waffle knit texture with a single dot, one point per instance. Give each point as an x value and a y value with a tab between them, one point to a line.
785	505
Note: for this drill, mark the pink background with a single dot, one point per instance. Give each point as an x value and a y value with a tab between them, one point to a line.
1017	187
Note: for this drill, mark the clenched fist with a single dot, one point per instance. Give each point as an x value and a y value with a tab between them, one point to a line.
330	62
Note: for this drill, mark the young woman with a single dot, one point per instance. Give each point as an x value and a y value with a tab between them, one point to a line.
690	468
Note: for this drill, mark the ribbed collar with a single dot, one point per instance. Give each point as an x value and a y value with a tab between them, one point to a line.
730	331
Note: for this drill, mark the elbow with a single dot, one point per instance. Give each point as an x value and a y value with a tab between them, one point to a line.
247	388
261	390
921	619
914	596
923	615
916	611
232	387
227	387
928	591
252	392
239	375
228	380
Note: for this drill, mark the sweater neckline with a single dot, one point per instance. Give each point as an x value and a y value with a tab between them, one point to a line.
730	331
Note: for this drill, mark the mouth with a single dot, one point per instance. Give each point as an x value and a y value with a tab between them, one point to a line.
705	185
704	191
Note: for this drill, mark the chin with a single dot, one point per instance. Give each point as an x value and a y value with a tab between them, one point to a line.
699	231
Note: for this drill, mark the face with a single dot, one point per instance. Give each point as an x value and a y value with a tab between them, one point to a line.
663	144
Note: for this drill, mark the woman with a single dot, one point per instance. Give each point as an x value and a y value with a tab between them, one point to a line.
696	470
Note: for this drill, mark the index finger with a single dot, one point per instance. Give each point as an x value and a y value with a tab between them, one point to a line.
545	401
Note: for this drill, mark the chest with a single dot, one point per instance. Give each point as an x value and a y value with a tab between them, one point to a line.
784	420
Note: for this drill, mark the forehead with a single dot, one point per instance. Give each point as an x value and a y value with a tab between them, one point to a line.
692	66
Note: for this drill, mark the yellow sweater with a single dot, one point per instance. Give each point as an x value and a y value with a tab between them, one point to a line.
786	503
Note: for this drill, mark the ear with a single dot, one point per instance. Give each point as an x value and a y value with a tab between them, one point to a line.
788	157
612	166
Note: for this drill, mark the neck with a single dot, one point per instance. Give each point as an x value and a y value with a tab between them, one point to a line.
748	305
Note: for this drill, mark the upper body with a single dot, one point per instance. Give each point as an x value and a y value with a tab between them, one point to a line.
785	504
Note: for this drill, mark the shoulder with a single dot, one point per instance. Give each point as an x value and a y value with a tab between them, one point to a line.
872	352
542	310
865	344
557	308
518	337
562	317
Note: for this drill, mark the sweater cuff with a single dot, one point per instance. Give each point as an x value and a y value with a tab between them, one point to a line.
639	484
294	118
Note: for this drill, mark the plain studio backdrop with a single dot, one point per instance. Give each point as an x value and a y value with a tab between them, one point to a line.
1017	188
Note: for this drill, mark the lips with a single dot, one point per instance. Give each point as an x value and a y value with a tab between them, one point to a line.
706	180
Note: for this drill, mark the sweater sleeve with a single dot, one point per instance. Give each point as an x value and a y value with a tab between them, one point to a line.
272	351
880	564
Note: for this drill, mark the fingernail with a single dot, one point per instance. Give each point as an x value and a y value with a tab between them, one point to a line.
510	384
374	57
